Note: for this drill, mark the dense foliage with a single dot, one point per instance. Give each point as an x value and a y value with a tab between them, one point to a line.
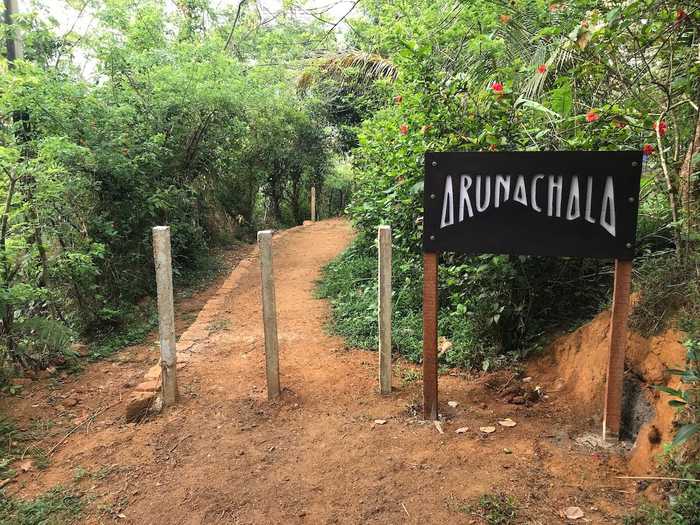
524	75
184	121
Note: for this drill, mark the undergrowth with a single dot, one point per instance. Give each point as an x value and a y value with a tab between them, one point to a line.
683	502
135	322
59	506
19	445
669	290
670	294
494	508
140	320
493	309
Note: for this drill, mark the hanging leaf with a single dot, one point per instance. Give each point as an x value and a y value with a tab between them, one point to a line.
562	98
531	104
685	433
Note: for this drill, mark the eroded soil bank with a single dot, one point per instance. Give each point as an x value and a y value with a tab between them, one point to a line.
226	455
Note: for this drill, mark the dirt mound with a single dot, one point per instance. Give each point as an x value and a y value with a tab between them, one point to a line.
574	366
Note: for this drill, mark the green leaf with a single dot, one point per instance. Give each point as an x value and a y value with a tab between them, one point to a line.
669	390
685	433
613	16
531	104
562	98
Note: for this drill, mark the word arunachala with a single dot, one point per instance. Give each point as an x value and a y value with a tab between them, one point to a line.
540	193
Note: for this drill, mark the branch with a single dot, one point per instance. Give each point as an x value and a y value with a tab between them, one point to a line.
352	8
235	23
6	214
667	176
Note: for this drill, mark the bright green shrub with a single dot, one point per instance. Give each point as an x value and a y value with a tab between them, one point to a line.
521	76
175	127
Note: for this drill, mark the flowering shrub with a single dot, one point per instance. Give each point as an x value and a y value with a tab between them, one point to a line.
452	85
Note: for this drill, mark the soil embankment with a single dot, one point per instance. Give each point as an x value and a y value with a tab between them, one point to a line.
575	364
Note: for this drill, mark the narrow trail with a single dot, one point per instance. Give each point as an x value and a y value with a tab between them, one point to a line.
227	455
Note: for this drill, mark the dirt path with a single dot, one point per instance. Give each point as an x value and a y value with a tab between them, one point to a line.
226	455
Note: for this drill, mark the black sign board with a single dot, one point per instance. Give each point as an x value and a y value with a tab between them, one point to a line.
559	203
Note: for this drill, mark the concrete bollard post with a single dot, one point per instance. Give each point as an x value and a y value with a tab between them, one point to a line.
166	313
269	315
385	309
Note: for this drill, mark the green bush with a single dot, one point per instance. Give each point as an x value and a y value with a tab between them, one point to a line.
493	309
503	77
173	128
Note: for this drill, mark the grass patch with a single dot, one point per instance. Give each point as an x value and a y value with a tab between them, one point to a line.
494	509
15	444
57	507
407	375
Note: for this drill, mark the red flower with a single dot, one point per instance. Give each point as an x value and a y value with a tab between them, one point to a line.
492	147
592	116
403	128
398	99
681	17
504	19
541	68
497	87
661	127
648	149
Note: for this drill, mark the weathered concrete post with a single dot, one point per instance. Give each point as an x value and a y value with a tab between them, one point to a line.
269	315
313	203
166	313
384	298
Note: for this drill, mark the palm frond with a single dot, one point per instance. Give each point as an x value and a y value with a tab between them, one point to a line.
371	66
524	45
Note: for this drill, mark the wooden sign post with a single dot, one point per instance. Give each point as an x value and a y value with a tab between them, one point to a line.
560	204
612	413
430	337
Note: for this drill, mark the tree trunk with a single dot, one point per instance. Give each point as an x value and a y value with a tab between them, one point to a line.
330	203
275	203
689	189
296	208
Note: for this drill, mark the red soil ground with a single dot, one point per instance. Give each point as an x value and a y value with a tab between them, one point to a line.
227	455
